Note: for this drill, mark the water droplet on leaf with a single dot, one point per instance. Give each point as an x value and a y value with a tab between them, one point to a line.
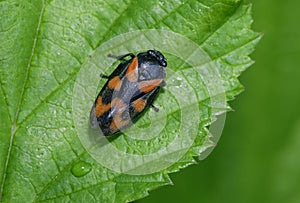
81	169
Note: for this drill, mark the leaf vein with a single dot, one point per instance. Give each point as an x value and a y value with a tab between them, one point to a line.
14	125
220	25
67	51
115	21
49	96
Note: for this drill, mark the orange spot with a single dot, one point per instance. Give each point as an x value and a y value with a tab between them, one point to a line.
139	104
115	83
118	122
132	71
147	86
101	108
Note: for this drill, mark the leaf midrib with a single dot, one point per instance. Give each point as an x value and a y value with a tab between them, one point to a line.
14	126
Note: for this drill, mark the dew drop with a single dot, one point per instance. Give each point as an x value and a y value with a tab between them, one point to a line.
81	169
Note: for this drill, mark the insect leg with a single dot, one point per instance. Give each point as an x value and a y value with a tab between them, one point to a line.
163	83
121	57
156	109
104	76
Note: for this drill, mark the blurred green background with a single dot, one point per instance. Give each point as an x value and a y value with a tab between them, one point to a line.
258	156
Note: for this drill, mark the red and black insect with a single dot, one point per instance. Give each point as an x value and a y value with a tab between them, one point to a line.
129	90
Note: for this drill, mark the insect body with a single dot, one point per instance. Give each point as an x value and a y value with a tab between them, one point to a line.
129	90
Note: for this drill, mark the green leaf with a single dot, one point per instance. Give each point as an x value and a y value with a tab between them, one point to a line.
46	45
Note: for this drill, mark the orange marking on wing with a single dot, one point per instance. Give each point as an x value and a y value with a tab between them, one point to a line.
139	104
118	122
132	71
115	83
101	108
147	86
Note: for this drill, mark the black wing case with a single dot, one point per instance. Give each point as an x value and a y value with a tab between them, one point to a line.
107	93
149	97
